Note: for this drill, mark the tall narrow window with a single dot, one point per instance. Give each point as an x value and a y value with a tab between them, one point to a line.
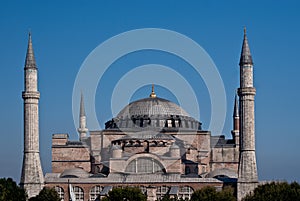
79	195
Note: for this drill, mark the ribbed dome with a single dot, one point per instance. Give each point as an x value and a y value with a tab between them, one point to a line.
152	107
152	113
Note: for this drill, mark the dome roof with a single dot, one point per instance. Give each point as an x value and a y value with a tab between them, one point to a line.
152	106
153	113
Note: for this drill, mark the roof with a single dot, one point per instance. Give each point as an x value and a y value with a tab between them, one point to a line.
30	60
151	107
246	58
75	173
118	178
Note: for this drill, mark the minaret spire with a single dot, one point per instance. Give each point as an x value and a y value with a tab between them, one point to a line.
82	130
236	122
246	58
236	107
82	110
247	174
30	60
32	178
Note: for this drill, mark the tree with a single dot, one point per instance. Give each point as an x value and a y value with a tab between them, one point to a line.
10	191
47	194
275	191
211	194
126	194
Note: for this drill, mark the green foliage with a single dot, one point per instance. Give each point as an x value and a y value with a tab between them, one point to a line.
47	194
275	191
210	194
10	191
126	194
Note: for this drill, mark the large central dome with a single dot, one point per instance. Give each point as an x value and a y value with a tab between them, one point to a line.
152	106
153	112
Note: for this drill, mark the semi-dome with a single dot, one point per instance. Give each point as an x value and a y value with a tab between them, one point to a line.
153	112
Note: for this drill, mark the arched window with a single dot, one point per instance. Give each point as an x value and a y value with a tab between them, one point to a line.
60	192
94	192
161	191
144	165
185	192
79	195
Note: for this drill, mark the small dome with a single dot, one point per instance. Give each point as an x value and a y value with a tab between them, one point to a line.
74	173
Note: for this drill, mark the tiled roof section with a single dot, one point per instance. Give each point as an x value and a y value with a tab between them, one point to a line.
132	178
152	107
246	58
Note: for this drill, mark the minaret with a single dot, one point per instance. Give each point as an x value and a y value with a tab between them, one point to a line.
82	130
32	179
236	122
247	175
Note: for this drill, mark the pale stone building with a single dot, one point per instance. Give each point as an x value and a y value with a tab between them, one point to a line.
152	144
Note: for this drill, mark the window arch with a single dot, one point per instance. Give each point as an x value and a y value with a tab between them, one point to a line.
144	165
94	192
60	192
79	194
185	192
161	191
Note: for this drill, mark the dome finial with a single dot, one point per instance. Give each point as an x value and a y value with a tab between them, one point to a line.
152	95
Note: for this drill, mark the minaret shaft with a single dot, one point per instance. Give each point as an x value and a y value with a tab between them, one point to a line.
32	179
247	175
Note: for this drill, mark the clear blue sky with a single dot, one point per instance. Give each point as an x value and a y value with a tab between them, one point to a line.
65	32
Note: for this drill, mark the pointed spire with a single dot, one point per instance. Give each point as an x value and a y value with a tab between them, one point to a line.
82	110
30	60
236	107
246	57
152	95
